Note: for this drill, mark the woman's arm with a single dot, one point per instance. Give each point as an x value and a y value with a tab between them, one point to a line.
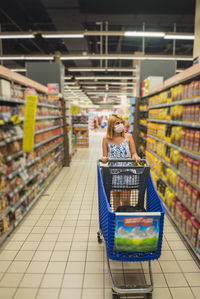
134	154
104	159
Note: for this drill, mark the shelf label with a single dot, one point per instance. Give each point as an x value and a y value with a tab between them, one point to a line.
29	122
75	110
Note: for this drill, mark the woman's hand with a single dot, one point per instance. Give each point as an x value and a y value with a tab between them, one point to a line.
104	159
136	157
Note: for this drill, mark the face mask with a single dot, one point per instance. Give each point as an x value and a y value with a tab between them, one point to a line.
119	128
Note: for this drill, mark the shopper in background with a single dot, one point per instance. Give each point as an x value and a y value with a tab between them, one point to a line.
118	145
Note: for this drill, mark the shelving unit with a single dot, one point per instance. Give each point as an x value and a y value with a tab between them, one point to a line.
80	127
155	142
25	176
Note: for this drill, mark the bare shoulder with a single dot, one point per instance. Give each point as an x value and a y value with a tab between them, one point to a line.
128	137
105	139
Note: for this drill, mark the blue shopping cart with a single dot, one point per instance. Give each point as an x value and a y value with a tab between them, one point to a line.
136	234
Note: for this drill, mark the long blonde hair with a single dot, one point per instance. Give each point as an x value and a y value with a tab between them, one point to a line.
110	129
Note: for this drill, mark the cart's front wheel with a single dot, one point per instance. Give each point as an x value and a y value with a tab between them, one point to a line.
149	296
99	238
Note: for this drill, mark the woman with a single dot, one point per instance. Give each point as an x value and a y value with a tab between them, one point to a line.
118	145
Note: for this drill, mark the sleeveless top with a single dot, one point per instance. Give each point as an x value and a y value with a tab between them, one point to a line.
121	151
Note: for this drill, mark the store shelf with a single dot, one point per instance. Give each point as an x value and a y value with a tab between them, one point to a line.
47	129
14	156
175	193
23	184
48	106
174	169
5	212
144	125
11	100
143	110
35	199
176	123
180	149
181	102
47	117
11	175
184	237
5	235
47	140
143	138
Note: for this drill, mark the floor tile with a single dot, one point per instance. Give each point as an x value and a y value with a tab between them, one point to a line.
23	293
31	280
59	256
77	256
179	293
18	267
91	294
7	293
52	281
167	255
34	237
169	267
176	280
4	265
93	256
79	246
93	281
94	267
182	255
163	293
30	245
48	293
8	255
188	266
62	246
42	255
75	267
193	279
70	293
11	280
196	292
37	267
13	245
56	267
24	255
46	246
72	281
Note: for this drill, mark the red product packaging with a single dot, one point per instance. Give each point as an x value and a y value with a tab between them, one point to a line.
195	229
195	171
192	134
185	218
183	136
190	168
195	201
187	138
179	211
196	146
173	207
192	112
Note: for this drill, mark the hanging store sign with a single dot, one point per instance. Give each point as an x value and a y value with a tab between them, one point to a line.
29	122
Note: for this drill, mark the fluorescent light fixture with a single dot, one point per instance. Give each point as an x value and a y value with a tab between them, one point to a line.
179	71
73	69
16	35
183	36
26	57
105	78
127	57
68	78
62	35
143	34
18	70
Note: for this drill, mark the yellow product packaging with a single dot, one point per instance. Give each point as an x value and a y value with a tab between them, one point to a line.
178	134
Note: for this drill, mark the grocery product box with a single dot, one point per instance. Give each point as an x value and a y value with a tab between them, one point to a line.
5	88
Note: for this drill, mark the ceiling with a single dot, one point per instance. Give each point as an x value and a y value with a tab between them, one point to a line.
79	15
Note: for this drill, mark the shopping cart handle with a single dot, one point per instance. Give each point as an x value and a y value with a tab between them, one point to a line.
142	161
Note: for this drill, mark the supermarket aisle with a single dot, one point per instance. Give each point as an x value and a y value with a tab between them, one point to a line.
54	253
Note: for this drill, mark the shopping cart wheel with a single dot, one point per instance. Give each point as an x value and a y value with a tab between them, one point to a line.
149	296
99	238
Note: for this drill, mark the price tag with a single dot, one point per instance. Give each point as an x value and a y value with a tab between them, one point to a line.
15	119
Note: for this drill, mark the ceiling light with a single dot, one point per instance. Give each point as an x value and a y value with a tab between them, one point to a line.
73	69
127	57
62	35
143	34
105	78
26	57
15	35
184	36
18	70
67	78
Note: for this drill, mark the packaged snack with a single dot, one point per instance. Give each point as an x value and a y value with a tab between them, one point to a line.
179	211
195	229
185	218
196	146
195	201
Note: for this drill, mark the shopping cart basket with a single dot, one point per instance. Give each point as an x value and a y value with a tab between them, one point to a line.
131	236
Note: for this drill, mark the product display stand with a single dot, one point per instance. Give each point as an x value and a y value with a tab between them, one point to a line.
170	136
81	130
25	175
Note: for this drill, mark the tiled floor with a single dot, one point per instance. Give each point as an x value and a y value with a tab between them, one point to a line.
54	252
